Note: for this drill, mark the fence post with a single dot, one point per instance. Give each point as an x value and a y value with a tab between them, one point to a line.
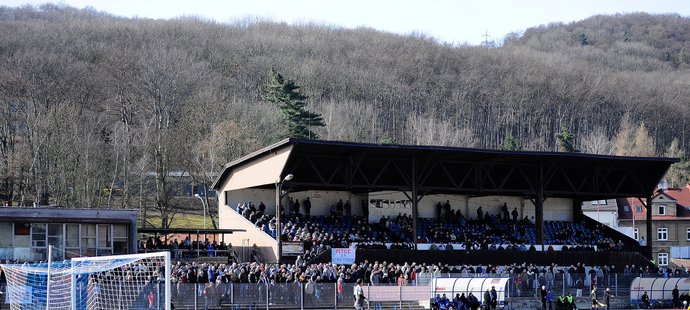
301	299
158	295
335	296
400	295
268	295
232	293
615	281
196	295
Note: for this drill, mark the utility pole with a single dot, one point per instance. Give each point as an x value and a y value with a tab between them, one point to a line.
486	42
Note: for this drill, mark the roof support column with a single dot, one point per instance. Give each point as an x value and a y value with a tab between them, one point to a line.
539	206
648	223
577	210
415	202
279	229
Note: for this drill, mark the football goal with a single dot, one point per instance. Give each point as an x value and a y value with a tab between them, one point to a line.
137	281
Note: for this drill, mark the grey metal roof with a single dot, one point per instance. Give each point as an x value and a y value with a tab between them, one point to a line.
362	167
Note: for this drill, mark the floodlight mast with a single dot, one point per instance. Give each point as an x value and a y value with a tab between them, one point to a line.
279	196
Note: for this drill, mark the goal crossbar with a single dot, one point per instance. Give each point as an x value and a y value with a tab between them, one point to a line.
100	282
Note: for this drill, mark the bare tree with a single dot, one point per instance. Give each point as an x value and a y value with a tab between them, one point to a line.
596	142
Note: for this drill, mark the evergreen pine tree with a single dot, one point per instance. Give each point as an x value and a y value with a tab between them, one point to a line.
292	103
566	140
510	144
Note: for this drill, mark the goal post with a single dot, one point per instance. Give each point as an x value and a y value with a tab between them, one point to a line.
118	282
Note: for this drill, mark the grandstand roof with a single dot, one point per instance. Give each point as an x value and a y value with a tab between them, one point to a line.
360	167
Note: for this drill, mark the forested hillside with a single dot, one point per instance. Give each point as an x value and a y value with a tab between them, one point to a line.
95	106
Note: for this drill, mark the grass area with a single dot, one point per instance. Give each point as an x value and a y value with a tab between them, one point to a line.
181	220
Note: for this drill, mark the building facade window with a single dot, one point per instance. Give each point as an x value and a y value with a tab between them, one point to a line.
687	234
662	234
662	259
636	234
104	240
662	210
120	238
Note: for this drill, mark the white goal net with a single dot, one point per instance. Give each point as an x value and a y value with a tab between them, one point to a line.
137	281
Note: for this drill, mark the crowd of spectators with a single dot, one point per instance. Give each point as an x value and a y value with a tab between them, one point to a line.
182	249
449	230
528	277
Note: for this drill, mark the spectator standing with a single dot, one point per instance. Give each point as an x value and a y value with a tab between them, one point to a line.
309	289
447	209
549	299
607	297
297	206
645	300
515	214
543	297
150	298
340	284
494	298
487	299
290	207
359	296
307	208
348	208
593	294
339	207
676	297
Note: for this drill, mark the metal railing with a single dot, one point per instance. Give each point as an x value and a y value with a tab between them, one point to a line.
577	284
291	296
333	295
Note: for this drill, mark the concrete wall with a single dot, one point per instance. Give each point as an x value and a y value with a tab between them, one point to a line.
242	242
608	218
393	203
555	209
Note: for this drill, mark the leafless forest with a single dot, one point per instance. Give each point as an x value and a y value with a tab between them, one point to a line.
102	111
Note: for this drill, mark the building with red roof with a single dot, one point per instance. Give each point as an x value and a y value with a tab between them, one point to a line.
670	221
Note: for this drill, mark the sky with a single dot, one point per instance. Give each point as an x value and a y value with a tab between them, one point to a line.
449	21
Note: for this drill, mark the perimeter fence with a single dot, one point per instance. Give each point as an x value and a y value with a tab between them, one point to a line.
267	295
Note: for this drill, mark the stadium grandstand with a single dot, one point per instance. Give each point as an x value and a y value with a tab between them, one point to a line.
382	198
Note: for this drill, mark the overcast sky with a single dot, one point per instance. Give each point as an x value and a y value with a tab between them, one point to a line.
451	21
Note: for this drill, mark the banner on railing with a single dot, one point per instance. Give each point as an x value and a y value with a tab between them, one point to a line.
343	256
293	248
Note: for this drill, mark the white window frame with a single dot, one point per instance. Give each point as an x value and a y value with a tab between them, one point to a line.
662	259
687	233
661	209
662	231
636	234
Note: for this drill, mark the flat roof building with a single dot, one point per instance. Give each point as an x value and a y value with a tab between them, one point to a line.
26	233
